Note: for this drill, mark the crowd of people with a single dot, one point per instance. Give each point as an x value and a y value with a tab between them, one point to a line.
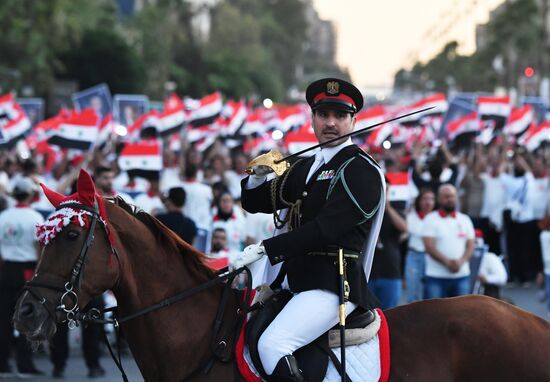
472	218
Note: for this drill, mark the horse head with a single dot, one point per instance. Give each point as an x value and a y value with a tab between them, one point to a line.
75	265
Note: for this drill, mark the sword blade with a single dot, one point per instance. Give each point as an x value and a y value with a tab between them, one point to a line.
363	130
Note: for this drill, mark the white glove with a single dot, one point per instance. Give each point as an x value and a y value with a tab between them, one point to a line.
261	170
252	253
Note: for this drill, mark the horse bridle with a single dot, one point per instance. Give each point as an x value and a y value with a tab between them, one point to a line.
71	287
73	314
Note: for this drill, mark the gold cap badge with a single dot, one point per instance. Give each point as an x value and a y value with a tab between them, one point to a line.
333	87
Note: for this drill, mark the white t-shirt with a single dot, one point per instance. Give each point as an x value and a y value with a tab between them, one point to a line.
494	200
234	228
493	270
170	178
415	228
198	203
150	204
545	246
450	237
259	226
18	234
539	197
233	180
519	196
120	183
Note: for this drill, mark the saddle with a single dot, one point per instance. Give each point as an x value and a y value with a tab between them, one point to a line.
361	325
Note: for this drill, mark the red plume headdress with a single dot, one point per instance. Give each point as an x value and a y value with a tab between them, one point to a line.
87	195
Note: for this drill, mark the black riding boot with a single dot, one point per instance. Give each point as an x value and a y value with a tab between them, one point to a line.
287	371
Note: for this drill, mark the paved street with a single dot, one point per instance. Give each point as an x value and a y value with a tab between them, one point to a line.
526	298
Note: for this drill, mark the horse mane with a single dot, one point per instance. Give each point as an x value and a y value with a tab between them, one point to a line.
169	240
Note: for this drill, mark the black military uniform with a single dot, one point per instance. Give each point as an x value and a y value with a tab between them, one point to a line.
334	209
328	221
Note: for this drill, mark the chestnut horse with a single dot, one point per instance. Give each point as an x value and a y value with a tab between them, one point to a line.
471	338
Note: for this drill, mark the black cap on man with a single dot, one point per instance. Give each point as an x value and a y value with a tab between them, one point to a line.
335	94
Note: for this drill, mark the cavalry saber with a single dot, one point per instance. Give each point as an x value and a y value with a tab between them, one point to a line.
342	312
363	130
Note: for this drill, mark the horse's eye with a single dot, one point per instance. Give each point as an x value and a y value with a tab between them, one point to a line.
73	235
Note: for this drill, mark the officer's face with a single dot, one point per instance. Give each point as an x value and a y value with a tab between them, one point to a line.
329	124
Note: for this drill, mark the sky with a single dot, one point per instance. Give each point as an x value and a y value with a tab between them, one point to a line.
376	38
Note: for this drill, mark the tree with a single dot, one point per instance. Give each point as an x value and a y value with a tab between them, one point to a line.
35	32
515	34
103	56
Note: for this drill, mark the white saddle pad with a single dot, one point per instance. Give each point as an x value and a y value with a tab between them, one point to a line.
362	362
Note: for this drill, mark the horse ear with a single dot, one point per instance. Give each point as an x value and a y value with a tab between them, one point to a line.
53	196
85	188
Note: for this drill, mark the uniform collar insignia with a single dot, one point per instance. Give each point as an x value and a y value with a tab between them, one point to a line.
325	175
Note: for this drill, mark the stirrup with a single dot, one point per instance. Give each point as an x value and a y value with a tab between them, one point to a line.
287	371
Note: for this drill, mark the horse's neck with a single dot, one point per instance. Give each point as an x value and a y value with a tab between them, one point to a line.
173	340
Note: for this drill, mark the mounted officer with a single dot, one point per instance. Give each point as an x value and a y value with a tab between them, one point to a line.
330	201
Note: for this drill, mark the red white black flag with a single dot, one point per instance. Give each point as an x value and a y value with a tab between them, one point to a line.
79	130
468	124
535	136
207	111
141	159
370	116
233	117
14	123
173	117
520	120
438	101
494	107
300	139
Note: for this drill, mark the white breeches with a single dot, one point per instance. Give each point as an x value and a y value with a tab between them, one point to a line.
304	318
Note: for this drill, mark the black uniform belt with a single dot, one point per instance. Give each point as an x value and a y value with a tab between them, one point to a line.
347	254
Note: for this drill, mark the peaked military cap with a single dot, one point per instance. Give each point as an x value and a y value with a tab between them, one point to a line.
334	93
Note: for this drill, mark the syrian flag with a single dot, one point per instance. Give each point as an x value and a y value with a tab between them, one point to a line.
173	117
209	108
235	116
370	116
379	135
399	186
44	130
106	129
7	110
535	136
205	143
255	146
174	142
255	123
401	134
300	139
495	108
14	123
149	120
468	124
437	101
197	134
488	132
291	116
141	159
420	135
77	131
520	120
458	108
